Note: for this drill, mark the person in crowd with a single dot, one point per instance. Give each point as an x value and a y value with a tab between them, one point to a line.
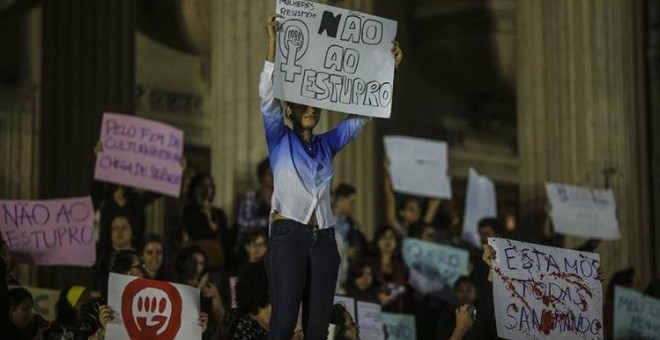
191	270
121	237
68	307
302	253
206	224
71	321
253	300
346	328
408	211
390	272
465	293
360	283
23	322
126	262
653	289
489	227
343	205
254	246
426	306
254	208
351	242
121	233
153	256
113	200
4	294
464	322
423	231
484	326
5	254
626	278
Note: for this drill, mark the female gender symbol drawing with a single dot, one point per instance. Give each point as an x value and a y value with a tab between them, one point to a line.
293	44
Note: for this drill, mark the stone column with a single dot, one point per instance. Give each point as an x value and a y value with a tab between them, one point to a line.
653	62
581	112
237	55
87	68
238	143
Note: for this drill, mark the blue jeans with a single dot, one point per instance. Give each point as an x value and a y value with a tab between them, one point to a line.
302	263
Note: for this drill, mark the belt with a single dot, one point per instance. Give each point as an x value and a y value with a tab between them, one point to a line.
312	222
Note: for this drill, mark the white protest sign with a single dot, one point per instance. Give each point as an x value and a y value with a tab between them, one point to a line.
232	291
44	301
542	292
399	326
480	203
436	265
334	59
150	309
348	303
584	212
422	284
370	321
50	232
140	153
636	316
418	166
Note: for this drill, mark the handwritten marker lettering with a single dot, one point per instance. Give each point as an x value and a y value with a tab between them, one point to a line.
334	58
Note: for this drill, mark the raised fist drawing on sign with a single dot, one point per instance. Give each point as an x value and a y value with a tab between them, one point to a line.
151	310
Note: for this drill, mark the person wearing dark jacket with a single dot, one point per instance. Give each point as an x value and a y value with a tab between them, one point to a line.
207	225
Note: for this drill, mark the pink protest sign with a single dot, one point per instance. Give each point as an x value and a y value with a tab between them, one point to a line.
140	153
50	232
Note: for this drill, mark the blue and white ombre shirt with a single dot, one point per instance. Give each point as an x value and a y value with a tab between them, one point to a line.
302	173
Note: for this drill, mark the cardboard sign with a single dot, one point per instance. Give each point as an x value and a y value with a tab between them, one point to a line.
370	321
44	301
399	326
544	292
348	303
334	59
480	203
150	309
584	212
438	265
140	153
636	316
418	166
50	232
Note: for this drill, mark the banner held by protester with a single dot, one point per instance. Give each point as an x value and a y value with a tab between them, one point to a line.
140	153
50	232
544	292
335	59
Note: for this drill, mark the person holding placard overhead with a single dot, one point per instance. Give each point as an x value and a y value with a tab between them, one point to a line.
302	259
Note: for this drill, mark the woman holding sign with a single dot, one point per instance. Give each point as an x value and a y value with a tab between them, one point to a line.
302	259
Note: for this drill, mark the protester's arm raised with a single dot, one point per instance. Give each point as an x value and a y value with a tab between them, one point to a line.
271	108
463	322
431	209
390	200
397	53
272	26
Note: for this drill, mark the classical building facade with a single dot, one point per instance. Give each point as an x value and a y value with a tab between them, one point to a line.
525	91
